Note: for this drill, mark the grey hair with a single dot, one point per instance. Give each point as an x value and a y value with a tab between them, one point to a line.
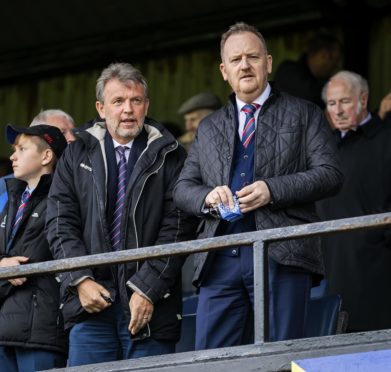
124	72
239	28
42	117
355	81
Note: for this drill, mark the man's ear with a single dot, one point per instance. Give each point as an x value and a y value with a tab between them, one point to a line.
146	106
222	70
364	99
100	108
269	63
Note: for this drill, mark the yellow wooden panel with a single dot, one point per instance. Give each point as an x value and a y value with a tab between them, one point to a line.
380	62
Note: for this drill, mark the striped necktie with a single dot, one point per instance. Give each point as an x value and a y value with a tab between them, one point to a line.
19	216
249	124
115	229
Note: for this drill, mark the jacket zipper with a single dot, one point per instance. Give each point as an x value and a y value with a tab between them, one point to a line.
102	213
34	308
139	196
255	152
59	313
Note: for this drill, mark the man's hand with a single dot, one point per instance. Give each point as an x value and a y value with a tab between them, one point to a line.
14	261
220	194
385	106
90	295
140	312
253	196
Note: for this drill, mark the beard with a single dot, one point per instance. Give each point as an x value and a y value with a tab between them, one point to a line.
125	132
129	133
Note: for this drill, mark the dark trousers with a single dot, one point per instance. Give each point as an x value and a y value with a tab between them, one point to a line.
104	337
21	359
226	302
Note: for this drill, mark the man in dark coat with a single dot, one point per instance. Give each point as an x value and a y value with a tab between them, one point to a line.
194	110
112	191
358	263
277	172
306	77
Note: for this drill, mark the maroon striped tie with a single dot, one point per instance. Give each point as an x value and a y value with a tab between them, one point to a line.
115	229
18	217
249	124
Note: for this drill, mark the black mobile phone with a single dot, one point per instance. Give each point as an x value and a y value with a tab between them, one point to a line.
108	299
142	334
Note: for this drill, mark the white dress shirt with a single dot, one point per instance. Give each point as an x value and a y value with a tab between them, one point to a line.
242	116
127	151
368	117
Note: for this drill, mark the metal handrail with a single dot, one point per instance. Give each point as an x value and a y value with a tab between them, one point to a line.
258	239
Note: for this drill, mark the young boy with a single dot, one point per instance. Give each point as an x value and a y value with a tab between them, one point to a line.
32	336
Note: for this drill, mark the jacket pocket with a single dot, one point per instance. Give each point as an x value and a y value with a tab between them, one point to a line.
34	306
302	215
72	311
200	228
6	289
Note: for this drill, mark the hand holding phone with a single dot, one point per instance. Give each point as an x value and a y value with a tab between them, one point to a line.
108	299
142	334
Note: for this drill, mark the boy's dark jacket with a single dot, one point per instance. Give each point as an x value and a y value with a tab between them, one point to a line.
29	314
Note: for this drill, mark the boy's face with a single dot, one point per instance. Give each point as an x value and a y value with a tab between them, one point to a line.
27	160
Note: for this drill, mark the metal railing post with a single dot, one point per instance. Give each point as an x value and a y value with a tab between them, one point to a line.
261	303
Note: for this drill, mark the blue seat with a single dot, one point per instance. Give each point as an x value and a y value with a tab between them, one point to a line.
321	289
322	317
3	200
187	340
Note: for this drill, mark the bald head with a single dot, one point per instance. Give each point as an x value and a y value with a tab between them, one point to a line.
59	119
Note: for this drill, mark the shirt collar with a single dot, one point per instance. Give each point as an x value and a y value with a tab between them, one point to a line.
30	191
260	100
128	145
364	121
368	118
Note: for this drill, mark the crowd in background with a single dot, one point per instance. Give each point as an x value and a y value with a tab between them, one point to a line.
302	148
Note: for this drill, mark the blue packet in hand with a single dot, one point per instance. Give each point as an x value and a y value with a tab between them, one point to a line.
228	214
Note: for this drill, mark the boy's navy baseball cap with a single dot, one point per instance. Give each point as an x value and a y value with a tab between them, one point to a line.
50	134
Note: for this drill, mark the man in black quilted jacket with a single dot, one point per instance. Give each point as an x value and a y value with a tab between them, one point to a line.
276	155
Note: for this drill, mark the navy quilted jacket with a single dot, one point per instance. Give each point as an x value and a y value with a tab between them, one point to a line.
296	157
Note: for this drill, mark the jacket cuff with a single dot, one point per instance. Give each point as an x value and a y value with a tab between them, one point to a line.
269	185
76	282
134	288
151	291
72	279
202	210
